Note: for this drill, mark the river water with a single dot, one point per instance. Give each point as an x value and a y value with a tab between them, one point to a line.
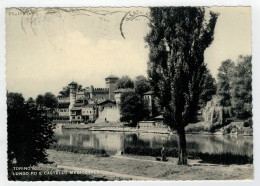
117	141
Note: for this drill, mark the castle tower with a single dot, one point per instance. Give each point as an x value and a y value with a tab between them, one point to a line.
73	88
111	84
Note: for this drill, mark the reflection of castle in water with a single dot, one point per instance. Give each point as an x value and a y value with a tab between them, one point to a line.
95	140
113	141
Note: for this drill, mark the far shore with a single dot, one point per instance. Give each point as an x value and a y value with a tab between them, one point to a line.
118	127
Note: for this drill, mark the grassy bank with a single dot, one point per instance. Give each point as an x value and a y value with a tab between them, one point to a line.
221	158
147	166
132	165
79	149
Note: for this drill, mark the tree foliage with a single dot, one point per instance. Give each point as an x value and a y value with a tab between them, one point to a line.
209	89
132	108
241	88
225	75
40	100
177	40
29	133
124	82
141	85
48	100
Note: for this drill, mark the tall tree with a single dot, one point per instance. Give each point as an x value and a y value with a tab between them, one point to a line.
141	85
29	135
177	40
241	89
225	75
125	82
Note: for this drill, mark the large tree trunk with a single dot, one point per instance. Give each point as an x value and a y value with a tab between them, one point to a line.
182	147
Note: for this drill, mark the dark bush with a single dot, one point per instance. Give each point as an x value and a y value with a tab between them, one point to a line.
226	158
147	151
248	123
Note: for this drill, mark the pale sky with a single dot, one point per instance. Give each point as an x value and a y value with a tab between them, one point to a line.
48	50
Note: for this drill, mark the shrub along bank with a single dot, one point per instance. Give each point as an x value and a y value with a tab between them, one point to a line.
218	158
221	158
78	149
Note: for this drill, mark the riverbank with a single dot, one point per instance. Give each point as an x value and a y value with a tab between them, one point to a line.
111	127
131	167
197	128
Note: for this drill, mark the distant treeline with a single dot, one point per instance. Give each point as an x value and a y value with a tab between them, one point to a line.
235	86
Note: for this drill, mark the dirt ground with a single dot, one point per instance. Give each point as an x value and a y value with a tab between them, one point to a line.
148	167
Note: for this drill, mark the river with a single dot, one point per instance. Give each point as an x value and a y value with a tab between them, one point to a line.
117	141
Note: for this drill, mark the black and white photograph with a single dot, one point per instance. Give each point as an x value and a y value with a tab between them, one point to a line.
155	93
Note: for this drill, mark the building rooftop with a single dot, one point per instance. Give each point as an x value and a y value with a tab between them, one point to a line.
149	93
78	104
111	77
73	83
75	108
63	100
159	117
101	90
105	101
121	90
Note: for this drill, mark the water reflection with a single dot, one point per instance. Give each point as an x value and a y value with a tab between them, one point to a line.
117	141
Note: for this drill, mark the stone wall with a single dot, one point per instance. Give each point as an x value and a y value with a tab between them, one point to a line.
109	115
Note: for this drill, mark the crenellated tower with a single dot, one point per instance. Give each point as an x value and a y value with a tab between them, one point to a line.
73	88
111	85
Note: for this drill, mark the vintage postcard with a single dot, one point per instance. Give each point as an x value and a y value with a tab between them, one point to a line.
133	93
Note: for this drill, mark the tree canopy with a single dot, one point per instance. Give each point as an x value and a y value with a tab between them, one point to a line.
177	40
48	100
209	89
29	133
241	88
225	75
124	82
132	108
141	85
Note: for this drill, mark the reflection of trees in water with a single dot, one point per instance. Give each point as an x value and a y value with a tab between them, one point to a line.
134	140
117	141
220	144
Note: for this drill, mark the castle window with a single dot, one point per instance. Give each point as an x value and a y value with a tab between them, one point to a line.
90	112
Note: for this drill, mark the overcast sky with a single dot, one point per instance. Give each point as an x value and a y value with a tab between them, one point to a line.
51	48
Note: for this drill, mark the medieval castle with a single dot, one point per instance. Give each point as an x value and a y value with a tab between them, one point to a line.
91	104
